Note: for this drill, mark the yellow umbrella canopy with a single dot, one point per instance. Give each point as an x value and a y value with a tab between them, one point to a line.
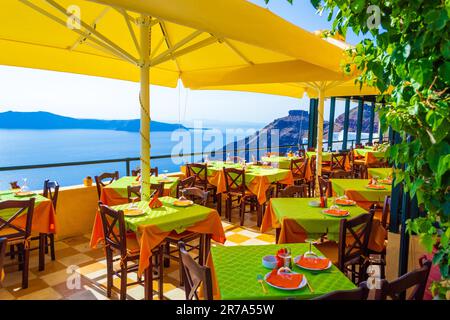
167	39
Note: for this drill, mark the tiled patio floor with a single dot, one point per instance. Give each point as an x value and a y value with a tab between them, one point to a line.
58	281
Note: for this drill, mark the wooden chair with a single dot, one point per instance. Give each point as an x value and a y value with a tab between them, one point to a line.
51	192
379	258
360	293
357	165
105	179
133	193
295	191
325	187
126	244
338	163
158	189
298	169
311	149
194	275
351	250
3	244
185	183
18	236
200	171
193	240
236	191
416	279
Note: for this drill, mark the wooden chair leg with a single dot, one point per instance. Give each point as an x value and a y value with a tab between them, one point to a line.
123	281
167	254
228	209
109	273
51	237
161	275
26	262
219	203
258	214
42	247
242	212
148	278
20	251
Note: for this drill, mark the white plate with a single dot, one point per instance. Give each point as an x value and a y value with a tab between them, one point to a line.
314	203
322	257
301	285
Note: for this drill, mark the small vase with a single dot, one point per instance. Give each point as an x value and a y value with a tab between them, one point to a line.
87	181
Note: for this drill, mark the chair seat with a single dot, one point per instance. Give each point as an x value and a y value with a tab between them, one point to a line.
330	250
8	232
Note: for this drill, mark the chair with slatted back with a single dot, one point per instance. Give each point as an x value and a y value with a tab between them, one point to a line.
185	183
157	189
360	293
352	249
325	188
200	171
235	159
359	146
298	169
194	276
105	179
51	192
295	191
379	258
16	235
311	149
136	172
133	193
192	240
3	244
118	240
415	280
357	165
236	191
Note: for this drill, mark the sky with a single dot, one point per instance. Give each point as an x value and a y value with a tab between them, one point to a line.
37	90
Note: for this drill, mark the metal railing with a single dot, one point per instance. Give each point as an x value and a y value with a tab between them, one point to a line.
128	161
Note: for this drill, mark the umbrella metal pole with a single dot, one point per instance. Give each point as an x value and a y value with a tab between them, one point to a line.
144	97
320	110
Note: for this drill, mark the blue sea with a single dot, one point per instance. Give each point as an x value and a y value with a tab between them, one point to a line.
31	147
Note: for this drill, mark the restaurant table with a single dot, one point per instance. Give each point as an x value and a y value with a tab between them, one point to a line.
369	155
356	189
234	270
280	161
156	224
381	173
116	192
44	217
297	220
257	179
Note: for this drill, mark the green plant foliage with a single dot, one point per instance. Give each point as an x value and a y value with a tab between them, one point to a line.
407	56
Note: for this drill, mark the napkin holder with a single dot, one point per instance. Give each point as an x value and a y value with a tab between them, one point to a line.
155	203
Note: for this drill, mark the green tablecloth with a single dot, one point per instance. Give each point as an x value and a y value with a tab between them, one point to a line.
166	218
236	269
120	185
381	173
356	189
272	174
282	162
310	218
9	195
376	154
326	156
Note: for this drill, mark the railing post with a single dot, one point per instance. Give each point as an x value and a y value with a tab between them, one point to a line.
359	120
128	166
235	145
269	141
372	119
346	120
331	123
257	145
246	149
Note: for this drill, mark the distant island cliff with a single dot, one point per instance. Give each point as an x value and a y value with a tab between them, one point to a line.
47	121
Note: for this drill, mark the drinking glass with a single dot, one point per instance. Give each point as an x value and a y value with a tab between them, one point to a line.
24	187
